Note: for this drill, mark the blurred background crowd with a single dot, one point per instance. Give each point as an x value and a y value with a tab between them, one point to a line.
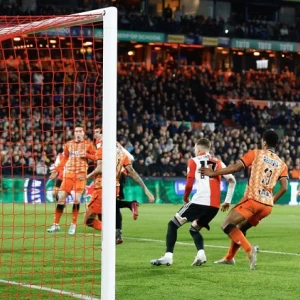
156	108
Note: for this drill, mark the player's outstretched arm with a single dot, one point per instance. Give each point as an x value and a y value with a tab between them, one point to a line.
136	177
97	170
228	170
231	186
283	188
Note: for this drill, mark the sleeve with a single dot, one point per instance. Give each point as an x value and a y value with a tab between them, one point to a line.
191	171
63	161
248	158
227	176
284	173
130	156
57	160
231	185
98	155
91	152
126	161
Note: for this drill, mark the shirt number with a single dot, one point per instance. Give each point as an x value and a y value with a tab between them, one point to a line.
209	164
267	176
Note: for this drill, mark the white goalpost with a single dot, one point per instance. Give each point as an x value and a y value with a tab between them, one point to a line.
108	261
109	18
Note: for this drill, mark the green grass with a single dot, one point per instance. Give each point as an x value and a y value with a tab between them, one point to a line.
31	256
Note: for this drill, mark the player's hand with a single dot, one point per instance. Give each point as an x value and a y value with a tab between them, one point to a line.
82	154
206	172
225	206
81	177
53	175
52	167
150	197
186	200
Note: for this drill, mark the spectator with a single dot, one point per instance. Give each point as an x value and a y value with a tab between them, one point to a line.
168	13
295	172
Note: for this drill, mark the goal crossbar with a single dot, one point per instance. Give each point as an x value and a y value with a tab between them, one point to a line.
51	23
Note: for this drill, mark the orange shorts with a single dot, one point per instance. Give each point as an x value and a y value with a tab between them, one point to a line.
71	182
95	204
253	211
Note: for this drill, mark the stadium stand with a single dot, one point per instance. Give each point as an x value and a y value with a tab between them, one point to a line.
178	23
150	103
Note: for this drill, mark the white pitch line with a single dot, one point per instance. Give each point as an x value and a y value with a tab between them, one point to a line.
30	286
161	241
210	246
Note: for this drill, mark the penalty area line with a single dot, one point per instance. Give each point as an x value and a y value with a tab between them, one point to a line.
210	246
55	291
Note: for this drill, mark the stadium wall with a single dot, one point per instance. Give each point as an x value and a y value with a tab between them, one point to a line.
166	191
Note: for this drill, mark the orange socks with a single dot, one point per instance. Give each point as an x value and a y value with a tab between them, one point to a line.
233	248
238	237
97	225
58	212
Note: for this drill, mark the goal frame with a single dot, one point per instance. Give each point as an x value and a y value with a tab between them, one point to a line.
109	16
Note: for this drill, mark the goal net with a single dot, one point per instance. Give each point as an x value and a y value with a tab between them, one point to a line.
55	71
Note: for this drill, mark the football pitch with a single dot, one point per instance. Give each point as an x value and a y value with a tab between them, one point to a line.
37	265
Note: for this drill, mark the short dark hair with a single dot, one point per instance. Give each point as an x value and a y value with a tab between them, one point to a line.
271	138
203	142
80	125
98	127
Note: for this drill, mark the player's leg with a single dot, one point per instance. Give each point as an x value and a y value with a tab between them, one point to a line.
228	259
94	209
56	188
236	235
132	205
65	190
119	239
204	216
79	186
246	210
90	220
75	213
183	216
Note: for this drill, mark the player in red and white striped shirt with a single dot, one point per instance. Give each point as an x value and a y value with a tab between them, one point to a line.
203	206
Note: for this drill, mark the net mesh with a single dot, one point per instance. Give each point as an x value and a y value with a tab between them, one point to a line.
49	78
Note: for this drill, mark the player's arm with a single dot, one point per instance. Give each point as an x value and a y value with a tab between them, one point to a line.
60	166
64	159
97	170
283	181
230	189
136	177
283	188
244	162
190	178
228	170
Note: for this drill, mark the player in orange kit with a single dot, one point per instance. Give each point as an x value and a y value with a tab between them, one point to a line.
266	169
75	161
132	205
94	208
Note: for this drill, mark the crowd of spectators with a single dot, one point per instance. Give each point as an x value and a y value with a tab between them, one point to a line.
160	112
176	22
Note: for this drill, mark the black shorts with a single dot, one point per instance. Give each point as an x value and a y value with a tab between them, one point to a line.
122	181
58	183
203	214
